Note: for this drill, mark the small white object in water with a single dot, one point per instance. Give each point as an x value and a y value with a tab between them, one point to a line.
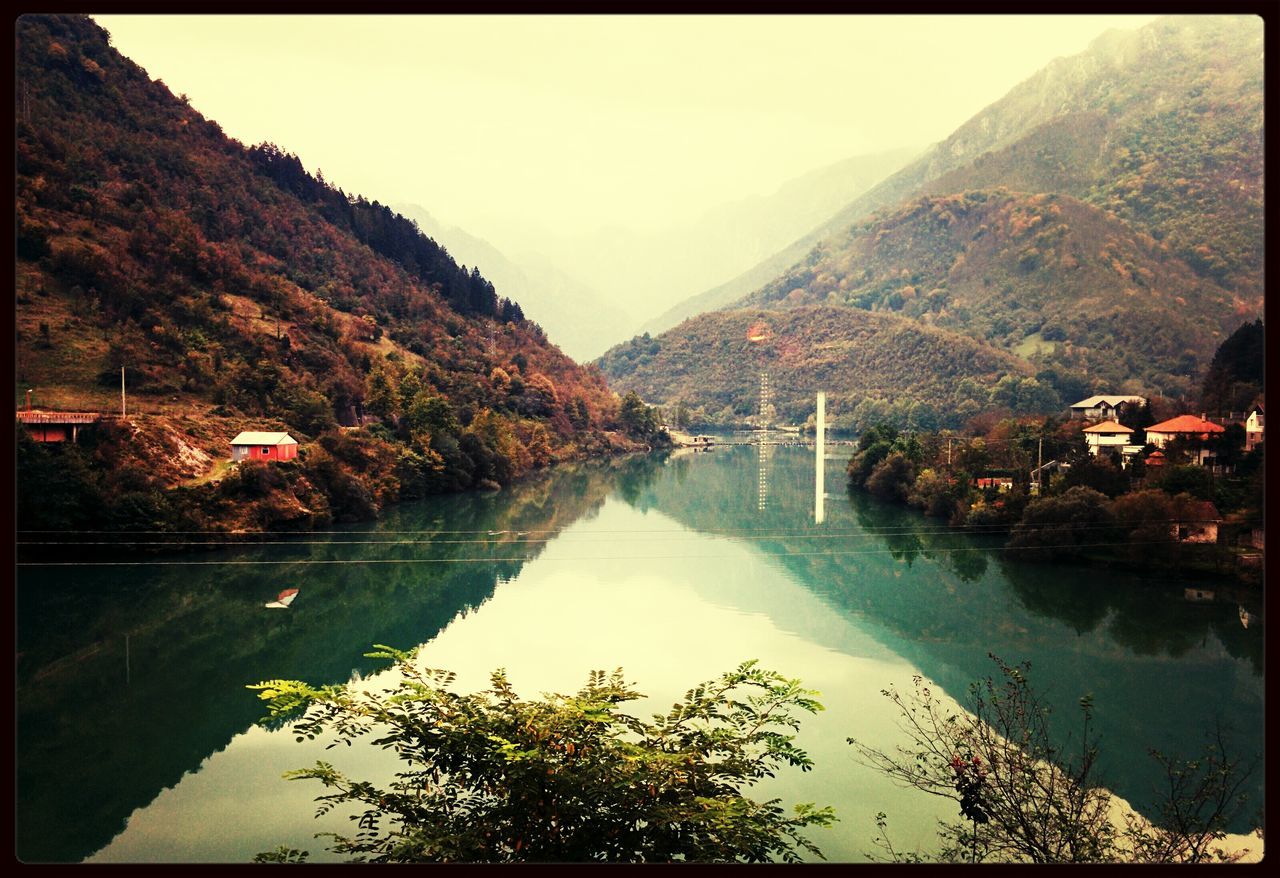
283	600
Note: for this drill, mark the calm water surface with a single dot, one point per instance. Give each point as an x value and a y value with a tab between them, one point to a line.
137	738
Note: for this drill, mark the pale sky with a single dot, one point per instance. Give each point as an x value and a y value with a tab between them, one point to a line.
578	122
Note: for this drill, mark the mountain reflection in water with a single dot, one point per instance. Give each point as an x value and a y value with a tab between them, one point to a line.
131	677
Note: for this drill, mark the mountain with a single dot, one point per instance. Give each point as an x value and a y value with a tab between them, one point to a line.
712	364
1162	125
1142	153
576	316
227	282
1036	274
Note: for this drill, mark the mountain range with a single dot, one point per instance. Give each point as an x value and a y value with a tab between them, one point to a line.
1102	221
647	272
1098	228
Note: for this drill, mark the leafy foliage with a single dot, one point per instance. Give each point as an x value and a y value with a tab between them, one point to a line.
640	420
1235	377
492	777
1059	527
1032	793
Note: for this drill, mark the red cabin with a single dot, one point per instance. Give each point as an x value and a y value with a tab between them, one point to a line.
251	445
56	426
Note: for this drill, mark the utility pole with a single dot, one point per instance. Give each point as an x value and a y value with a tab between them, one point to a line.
122	404
948	452
1039	465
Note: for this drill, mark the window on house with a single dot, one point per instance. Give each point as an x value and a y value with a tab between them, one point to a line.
266	450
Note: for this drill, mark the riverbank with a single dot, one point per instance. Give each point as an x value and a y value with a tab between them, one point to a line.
163	474
1180	519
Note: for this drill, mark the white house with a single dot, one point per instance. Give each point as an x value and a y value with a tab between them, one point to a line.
1109	407
1107	436
1253	427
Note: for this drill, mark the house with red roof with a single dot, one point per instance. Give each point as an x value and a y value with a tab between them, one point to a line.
1188	428
256	445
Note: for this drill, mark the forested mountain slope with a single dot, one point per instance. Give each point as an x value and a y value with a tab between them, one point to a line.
895	366
1104	219
226	279
1043	274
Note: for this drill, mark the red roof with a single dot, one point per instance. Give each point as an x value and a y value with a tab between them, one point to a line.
1185	424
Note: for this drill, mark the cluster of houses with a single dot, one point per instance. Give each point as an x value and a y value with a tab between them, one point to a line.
1201	523
1111	435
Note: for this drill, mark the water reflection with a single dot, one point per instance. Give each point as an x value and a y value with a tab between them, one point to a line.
1162	671
98	738
871	592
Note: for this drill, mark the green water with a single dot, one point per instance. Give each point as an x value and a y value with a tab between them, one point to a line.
136	739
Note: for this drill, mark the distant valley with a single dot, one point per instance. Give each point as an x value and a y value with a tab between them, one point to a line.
577	318
651	274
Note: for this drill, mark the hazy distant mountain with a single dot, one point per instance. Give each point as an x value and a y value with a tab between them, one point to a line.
1183	94
647	272
576	317
745	229
1041	274
1113	200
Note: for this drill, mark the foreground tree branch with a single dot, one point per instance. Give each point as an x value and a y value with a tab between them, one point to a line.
490	777
1028	796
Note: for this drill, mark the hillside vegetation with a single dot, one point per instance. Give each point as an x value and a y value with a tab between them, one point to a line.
1103	220
1164	128
228	281
882	363
1002	266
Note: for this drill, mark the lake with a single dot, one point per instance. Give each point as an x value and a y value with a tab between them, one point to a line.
137	739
